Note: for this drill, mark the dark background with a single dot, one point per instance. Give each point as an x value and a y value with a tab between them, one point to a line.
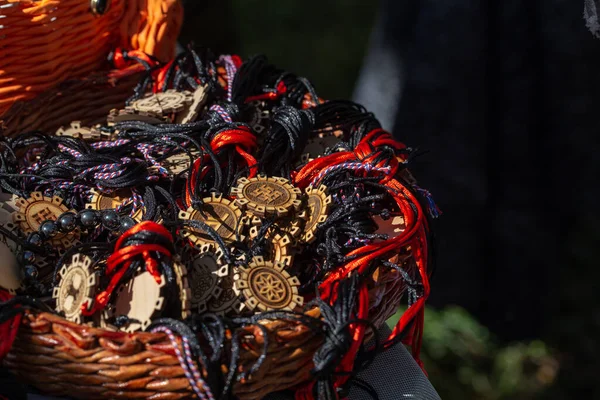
504	95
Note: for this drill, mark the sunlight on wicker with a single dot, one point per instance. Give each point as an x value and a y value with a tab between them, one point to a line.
45	42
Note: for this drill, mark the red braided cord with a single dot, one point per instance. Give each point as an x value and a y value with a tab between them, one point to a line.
118	263
414	235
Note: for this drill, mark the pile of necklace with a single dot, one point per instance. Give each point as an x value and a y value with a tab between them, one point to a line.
223	188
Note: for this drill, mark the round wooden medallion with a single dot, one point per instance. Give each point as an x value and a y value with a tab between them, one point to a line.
36	209
217	212
318	203
228	302
75	130
291	225
101	201
260	117
11	277
162	103
267	286
267	196
207	269
191	112
76	288
141	299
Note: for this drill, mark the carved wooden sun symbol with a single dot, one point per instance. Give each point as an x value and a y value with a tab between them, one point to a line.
265	285
270	286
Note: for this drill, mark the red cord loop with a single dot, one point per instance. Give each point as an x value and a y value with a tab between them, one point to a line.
118	263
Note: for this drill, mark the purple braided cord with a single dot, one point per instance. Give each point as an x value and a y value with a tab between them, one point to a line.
138	203
432	208
106	144
69	150
222	113
146	149
106	171
231	70
186	364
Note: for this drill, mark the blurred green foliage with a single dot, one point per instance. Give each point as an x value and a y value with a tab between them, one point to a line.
324	41
464	360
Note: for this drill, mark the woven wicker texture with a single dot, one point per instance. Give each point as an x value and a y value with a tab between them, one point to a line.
45	42
62	358
88	100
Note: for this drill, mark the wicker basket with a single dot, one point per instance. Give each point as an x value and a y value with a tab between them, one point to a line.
62	358
44	42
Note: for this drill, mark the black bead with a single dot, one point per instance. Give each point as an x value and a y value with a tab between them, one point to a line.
110	219
127	223
28	256
99	7
67	222
48	229
35	239
89	218
31	272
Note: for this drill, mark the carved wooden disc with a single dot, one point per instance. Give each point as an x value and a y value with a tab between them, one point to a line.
392	227
260	117
217	212
185	293
206	271
141	299
76	288
77	131
162	103
291	225
267	196
10	273
177	163
228	302
267	286
190	114
101	201
36	209
318	203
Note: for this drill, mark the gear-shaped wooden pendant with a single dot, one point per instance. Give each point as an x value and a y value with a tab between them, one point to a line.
76	288
266	286
163	103
267	196
206	270
100	201
190	114
260	117
228	302
278	247
291	225
36	209
6	221
180	162
130	114
141	299
76	130
318	203
185	293
11	277
217	212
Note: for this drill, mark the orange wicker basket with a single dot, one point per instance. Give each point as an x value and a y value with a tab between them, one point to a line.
44	42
